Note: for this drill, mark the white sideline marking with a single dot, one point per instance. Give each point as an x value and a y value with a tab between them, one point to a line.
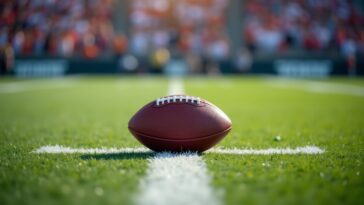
30	85
59	149
319	87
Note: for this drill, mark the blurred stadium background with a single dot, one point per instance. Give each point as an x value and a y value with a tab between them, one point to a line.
286	37
140	43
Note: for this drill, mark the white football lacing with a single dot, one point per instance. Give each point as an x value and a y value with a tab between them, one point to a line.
178	98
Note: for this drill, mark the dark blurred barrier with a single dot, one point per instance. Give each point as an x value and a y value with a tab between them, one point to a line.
307	65
41	67
310	65
97	66
53	66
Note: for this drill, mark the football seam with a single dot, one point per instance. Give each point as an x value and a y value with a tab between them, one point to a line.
202	104
180	140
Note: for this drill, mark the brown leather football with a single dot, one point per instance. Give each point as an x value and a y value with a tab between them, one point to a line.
179	123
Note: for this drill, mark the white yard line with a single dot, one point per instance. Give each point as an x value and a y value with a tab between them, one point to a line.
59	149
32	85
318	87
270	151
175	86
177	179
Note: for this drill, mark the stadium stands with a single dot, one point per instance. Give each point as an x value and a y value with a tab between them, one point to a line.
63	28
195	30
272	26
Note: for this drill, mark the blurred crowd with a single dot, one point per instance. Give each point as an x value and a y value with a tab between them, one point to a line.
57	27
288	25
195	29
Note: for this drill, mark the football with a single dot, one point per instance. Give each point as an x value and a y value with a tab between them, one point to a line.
179	123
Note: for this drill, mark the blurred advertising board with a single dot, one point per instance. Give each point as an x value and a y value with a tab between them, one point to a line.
40	67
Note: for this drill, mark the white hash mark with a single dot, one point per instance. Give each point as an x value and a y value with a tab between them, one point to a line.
59	149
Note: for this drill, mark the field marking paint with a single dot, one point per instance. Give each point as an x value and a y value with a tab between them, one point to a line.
318	87
31	85
59	149
175	86
176	178
270	151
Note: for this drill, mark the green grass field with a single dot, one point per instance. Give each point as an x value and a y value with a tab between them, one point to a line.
93	112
